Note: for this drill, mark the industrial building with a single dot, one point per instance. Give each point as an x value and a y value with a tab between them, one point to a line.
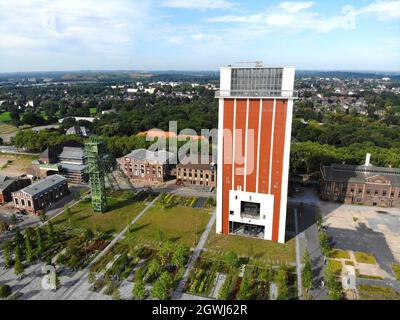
67	159
366	184
197	171
41	195
255	117
147	166
10	184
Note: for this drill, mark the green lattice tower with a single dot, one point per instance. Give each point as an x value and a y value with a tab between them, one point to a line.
96	152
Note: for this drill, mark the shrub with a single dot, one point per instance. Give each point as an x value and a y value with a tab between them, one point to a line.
5	291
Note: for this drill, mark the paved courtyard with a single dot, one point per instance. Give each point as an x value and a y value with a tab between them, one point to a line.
367	229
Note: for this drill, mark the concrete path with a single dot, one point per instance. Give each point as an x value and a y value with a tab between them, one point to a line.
193	258
298	257
312	244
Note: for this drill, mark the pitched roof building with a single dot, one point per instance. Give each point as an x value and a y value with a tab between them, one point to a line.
145	165
41	195
366	184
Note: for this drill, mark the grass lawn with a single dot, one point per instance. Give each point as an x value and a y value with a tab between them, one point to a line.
256	249
377	293
363	257
7	128
339	254
5	116
179	223
93	110
121	212
396	270
335	266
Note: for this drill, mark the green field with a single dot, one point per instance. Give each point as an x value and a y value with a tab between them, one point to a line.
179	223
5	116
121	212
6	128
363	257
259	251
396	270
367	292
93	111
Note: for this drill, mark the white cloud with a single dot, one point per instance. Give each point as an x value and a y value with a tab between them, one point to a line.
385	10
199	4
71	24
294	16
294	7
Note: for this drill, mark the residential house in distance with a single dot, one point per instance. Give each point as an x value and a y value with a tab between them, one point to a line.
197	170
41	195
67	159
9	185
147	166
366	184
80	131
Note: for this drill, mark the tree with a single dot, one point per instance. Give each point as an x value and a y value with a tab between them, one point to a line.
88	235
39	244
50	233
18	239
232	259
13	219
245	292
165	252
334	287
153	269
162	286
306	274
281	280
324	241
5	291
68	213
18	267
92	277
7	254
180	255
43	217
139	290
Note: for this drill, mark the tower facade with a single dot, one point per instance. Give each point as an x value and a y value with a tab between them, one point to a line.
255	120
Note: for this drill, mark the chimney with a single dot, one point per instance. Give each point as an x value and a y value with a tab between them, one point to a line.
368	160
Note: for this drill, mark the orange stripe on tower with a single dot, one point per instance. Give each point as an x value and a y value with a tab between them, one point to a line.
252	144
265	145
277	162
227	162
240	144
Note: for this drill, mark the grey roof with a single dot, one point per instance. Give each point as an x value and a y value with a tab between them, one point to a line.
71	153
160	157
359	174
73	167
4	178
43	185
5	182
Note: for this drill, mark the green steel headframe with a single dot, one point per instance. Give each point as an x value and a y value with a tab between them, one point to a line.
99	163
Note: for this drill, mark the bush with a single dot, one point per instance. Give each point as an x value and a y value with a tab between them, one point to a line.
5	291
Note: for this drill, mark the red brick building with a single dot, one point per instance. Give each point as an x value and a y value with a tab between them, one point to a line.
41	195
146	166
368	185
198	171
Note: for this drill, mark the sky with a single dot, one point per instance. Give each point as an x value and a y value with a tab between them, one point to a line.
59	35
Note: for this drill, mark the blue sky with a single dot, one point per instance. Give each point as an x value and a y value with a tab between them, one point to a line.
44	35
